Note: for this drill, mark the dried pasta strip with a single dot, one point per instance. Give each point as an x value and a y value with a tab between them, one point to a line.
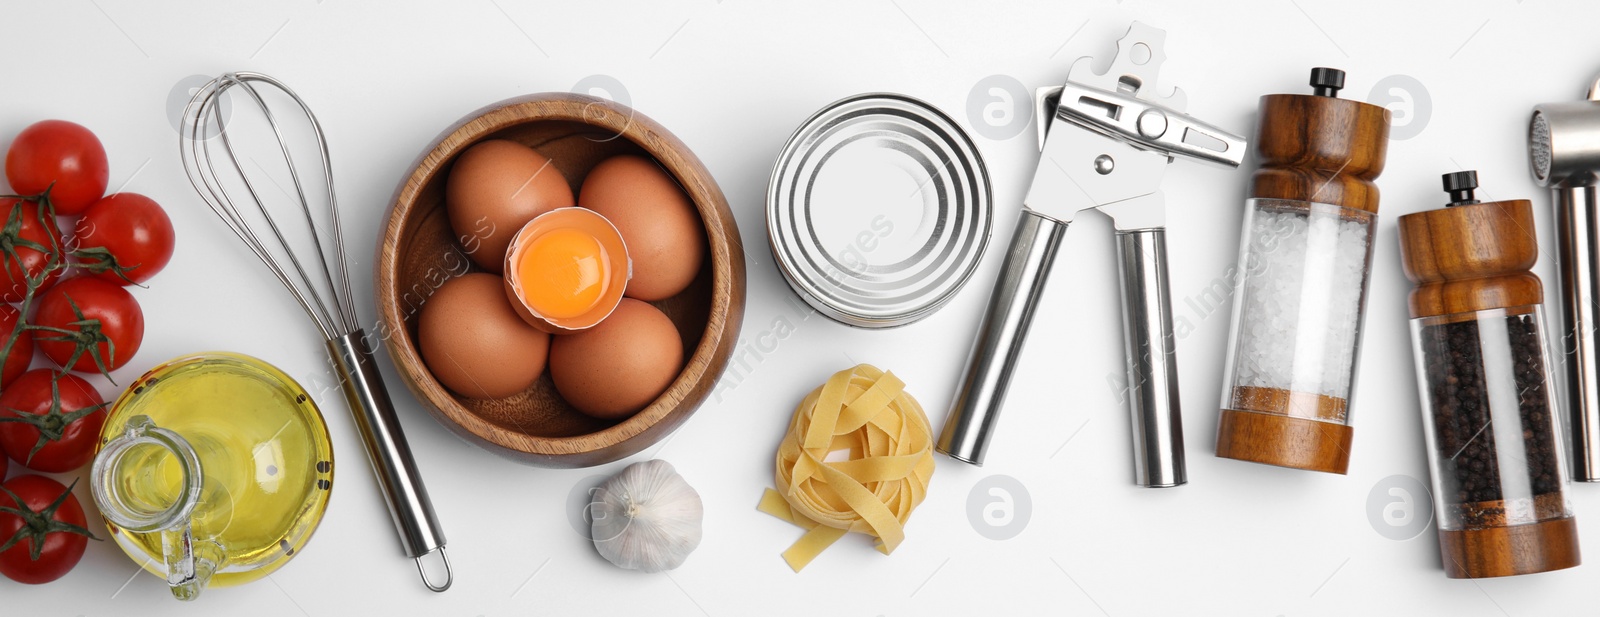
866	411
810	545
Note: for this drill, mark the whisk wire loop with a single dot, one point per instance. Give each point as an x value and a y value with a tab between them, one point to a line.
333	312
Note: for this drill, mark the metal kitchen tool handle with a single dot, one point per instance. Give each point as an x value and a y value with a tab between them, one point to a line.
1106	138
1152	389
1564	149
1145	123
999	342
389	453
1576	234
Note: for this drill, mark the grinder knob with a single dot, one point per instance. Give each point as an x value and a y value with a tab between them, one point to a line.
1327	82
1460	185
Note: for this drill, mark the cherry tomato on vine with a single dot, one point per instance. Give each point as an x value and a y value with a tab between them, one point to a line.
42	533
87	325
29	247
16	359
124	238
63	157
51	423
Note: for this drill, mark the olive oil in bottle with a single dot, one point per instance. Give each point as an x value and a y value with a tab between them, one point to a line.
213	469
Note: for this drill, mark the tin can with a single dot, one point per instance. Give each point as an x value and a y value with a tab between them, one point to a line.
878	210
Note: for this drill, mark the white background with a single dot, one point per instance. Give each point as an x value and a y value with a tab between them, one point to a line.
733	79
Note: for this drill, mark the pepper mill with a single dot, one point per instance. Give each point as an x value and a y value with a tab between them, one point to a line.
1301	281
1489	405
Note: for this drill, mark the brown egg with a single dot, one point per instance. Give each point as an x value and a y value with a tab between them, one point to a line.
495	188
661	226
615	369
475	343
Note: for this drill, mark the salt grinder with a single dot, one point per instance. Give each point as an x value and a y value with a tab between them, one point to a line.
1301	281
1107	139
1564	150
1489	406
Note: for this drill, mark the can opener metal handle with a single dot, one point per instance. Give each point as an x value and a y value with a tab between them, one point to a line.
1105	141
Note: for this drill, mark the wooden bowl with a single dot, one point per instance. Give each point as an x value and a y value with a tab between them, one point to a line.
419	252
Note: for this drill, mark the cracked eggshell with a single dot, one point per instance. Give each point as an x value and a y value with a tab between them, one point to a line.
620	267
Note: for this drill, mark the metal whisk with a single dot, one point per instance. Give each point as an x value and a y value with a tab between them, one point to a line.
323	291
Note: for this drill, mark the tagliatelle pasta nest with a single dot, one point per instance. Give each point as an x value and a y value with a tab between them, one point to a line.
866	411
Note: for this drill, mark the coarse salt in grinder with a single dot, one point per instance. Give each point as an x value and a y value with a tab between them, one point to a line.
1489	407
1301	280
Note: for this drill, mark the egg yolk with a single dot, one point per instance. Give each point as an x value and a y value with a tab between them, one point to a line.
564	273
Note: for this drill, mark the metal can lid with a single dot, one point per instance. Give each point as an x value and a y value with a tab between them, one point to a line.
878	210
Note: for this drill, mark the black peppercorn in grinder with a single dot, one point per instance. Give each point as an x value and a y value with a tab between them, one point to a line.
1489	406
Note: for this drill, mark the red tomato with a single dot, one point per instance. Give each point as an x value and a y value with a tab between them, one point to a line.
49	423
87	325
15	361
63	154
38	249
49	532
127	231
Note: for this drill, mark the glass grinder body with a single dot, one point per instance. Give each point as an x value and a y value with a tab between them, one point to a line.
1489	411
1305	257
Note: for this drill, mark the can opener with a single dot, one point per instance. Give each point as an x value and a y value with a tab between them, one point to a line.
1105	141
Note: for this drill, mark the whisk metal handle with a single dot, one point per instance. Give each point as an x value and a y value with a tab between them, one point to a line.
387	450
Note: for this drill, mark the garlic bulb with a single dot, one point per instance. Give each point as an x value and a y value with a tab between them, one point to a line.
646	518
